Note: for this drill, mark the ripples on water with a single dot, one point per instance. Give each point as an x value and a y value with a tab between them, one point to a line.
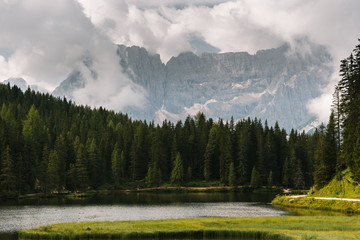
17	217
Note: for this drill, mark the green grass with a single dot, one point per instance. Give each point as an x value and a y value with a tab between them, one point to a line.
311	203
286	227
332	189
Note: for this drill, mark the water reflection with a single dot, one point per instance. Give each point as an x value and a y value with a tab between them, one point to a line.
18	217
131	198
15	215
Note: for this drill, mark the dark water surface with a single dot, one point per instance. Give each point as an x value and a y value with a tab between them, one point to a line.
16	215
28	213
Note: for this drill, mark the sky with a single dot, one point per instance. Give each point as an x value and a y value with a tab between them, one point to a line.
43	41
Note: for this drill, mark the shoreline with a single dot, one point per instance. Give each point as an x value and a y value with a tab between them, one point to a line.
161	189
283	227
346	205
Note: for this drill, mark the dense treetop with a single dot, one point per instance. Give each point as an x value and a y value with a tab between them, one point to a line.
49	144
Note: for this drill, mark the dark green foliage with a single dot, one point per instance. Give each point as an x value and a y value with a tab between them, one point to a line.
153	176
54	146
7	175
177	174
255	178
349	93
270	180
115	165
81	165
232	177
52	173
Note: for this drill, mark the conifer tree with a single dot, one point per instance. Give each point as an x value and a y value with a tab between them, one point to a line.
52	173
94	163
320	177
286	178
34	138
210	153
232	176
61	149
225	157
177	174
256	181
122	164
82	175
7	175
115	165
138	153
153	176
330	148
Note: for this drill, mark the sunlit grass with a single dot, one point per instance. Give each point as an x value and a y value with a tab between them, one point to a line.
321	204
287	227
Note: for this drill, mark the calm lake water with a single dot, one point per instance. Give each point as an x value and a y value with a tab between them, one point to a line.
132	206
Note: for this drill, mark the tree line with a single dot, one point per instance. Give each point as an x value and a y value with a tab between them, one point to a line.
49	145
342	144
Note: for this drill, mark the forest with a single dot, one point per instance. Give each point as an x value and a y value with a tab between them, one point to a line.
51	145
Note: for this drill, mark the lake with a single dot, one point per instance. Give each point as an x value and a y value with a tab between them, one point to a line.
15	215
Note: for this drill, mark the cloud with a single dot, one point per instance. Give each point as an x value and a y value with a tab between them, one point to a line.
43	41
168	27
244	25
48	39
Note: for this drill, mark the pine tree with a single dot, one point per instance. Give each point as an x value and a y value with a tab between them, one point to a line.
256	181
43	169
356	153
153	176
210	153
225	157
320	177
52	173
122	164
286	178
115	165
34	137
94	163
232	176
61	149
82	175
138	153
177	174
330	149
7	175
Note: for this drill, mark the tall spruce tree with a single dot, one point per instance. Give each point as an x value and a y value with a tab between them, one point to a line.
177	173
7	174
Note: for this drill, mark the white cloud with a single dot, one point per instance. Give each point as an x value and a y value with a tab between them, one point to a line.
50	38
47	39
164	26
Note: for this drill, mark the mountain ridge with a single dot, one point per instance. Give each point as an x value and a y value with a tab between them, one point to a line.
268	85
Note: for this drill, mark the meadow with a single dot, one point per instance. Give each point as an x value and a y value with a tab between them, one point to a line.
285	227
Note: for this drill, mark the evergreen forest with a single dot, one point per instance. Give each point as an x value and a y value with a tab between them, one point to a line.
51	145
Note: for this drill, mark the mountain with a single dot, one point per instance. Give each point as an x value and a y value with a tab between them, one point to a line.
23	85
19	82
273	84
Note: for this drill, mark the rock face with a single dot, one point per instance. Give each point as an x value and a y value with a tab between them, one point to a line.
273	84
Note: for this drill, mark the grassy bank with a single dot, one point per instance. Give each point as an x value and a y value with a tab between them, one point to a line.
348	189
288	227
319	204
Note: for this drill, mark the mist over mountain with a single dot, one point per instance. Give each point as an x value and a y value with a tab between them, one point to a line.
23	85
274	84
